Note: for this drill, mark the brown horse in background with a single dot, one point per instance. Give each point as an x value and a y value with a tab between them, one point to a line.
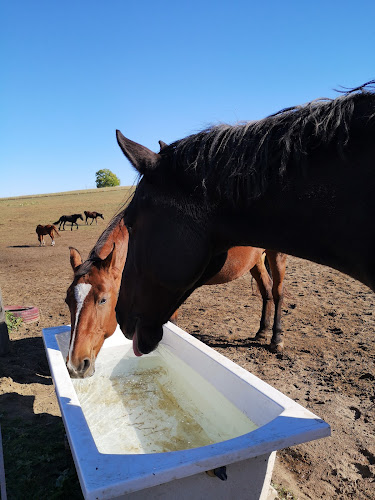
42	231
92	295
93	215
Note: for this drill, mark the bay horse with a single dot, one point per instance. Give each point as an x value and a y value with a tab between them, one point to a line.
43	231
93	216
301	181
68	218
92	295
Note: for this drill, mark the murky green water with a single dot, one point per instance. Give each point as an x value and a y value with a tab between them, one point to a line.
154	404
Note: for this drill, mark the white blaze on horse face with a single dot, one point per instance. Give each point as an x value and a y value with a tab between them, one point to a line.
80	293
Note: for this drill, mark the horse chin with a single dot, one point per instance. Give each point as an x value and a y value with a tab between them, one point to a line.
146	338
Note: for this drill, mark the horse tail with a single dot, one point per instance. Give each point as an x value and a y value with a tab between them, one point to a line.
55	229
57	221
267	266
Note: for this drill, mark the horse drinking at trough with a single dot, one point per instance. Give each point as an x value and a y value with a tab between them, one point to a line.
93	216
43	231
68	218
92	296
301	181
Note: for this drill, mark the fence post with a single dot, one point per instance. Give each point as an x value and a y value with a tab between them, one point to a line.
4	336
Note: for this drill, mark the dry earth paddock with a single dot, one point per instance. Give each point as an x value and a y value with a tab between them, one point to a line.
328	364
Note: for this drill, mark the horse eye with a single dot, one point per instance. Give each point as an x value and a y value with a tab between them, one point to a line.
102	301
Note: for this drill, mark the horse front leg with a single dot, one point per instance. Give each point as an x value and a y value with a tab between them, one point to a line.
264	282
277	262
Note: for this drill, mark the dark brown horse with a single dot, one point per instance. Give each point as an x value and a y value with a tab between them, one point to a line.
92	296
301	181
93	216
68	218
43	231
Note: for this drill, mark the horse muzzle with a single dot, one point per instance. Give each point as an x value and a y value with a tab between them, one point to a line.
84	369
147	338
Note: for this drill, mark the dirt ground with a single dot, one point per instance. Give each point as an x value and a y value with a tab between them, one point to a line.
328	364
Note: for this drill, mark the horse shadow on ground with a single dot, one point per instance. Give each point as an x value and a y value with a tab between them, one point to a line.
26	362
22	246
19	406
227	343
35	442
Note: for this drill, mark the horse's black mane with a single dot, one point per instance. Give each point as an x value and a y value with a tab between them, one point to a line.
230	160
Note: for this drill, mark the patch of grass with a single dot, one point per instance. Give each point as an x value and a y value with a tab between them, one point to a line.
13	322
37	463
282	493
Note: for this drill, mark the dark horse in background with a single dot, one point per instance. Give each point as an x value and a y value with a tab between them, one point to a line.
68	218
43	231
93	216
301	181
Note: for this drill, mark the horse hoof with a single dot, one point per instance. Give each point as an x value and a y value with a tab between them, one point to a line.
260	337
277	348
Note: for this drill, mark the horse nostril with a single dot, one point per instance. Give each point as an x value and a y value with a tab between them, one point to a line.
85	365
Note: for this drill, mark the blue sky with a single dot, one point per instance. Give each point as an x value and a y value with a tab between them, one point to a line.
75	71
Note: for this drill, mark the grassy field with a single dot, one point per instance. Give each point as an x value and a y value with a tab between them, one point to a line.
21	215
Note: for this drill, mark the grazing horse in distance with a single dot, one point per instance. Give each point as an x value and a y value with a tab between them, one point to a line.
68	218
92	295
92	215
300	181
43	231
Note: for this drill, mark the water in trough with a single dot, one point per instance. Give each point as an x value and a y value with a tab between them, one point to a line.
154	404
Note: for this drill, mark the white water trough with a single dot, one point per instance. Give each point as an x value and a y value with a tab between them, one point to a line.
149	428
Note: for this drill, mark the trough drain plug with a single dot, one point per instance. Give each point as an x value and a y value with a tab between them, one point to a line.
220	472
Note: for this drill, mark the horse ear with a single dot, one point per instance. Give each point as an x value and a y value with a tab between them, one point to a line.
162	145
110	260
140	157
75	258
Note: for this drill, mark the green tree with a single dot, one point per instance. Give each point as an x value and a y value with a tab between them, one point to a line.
106	178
